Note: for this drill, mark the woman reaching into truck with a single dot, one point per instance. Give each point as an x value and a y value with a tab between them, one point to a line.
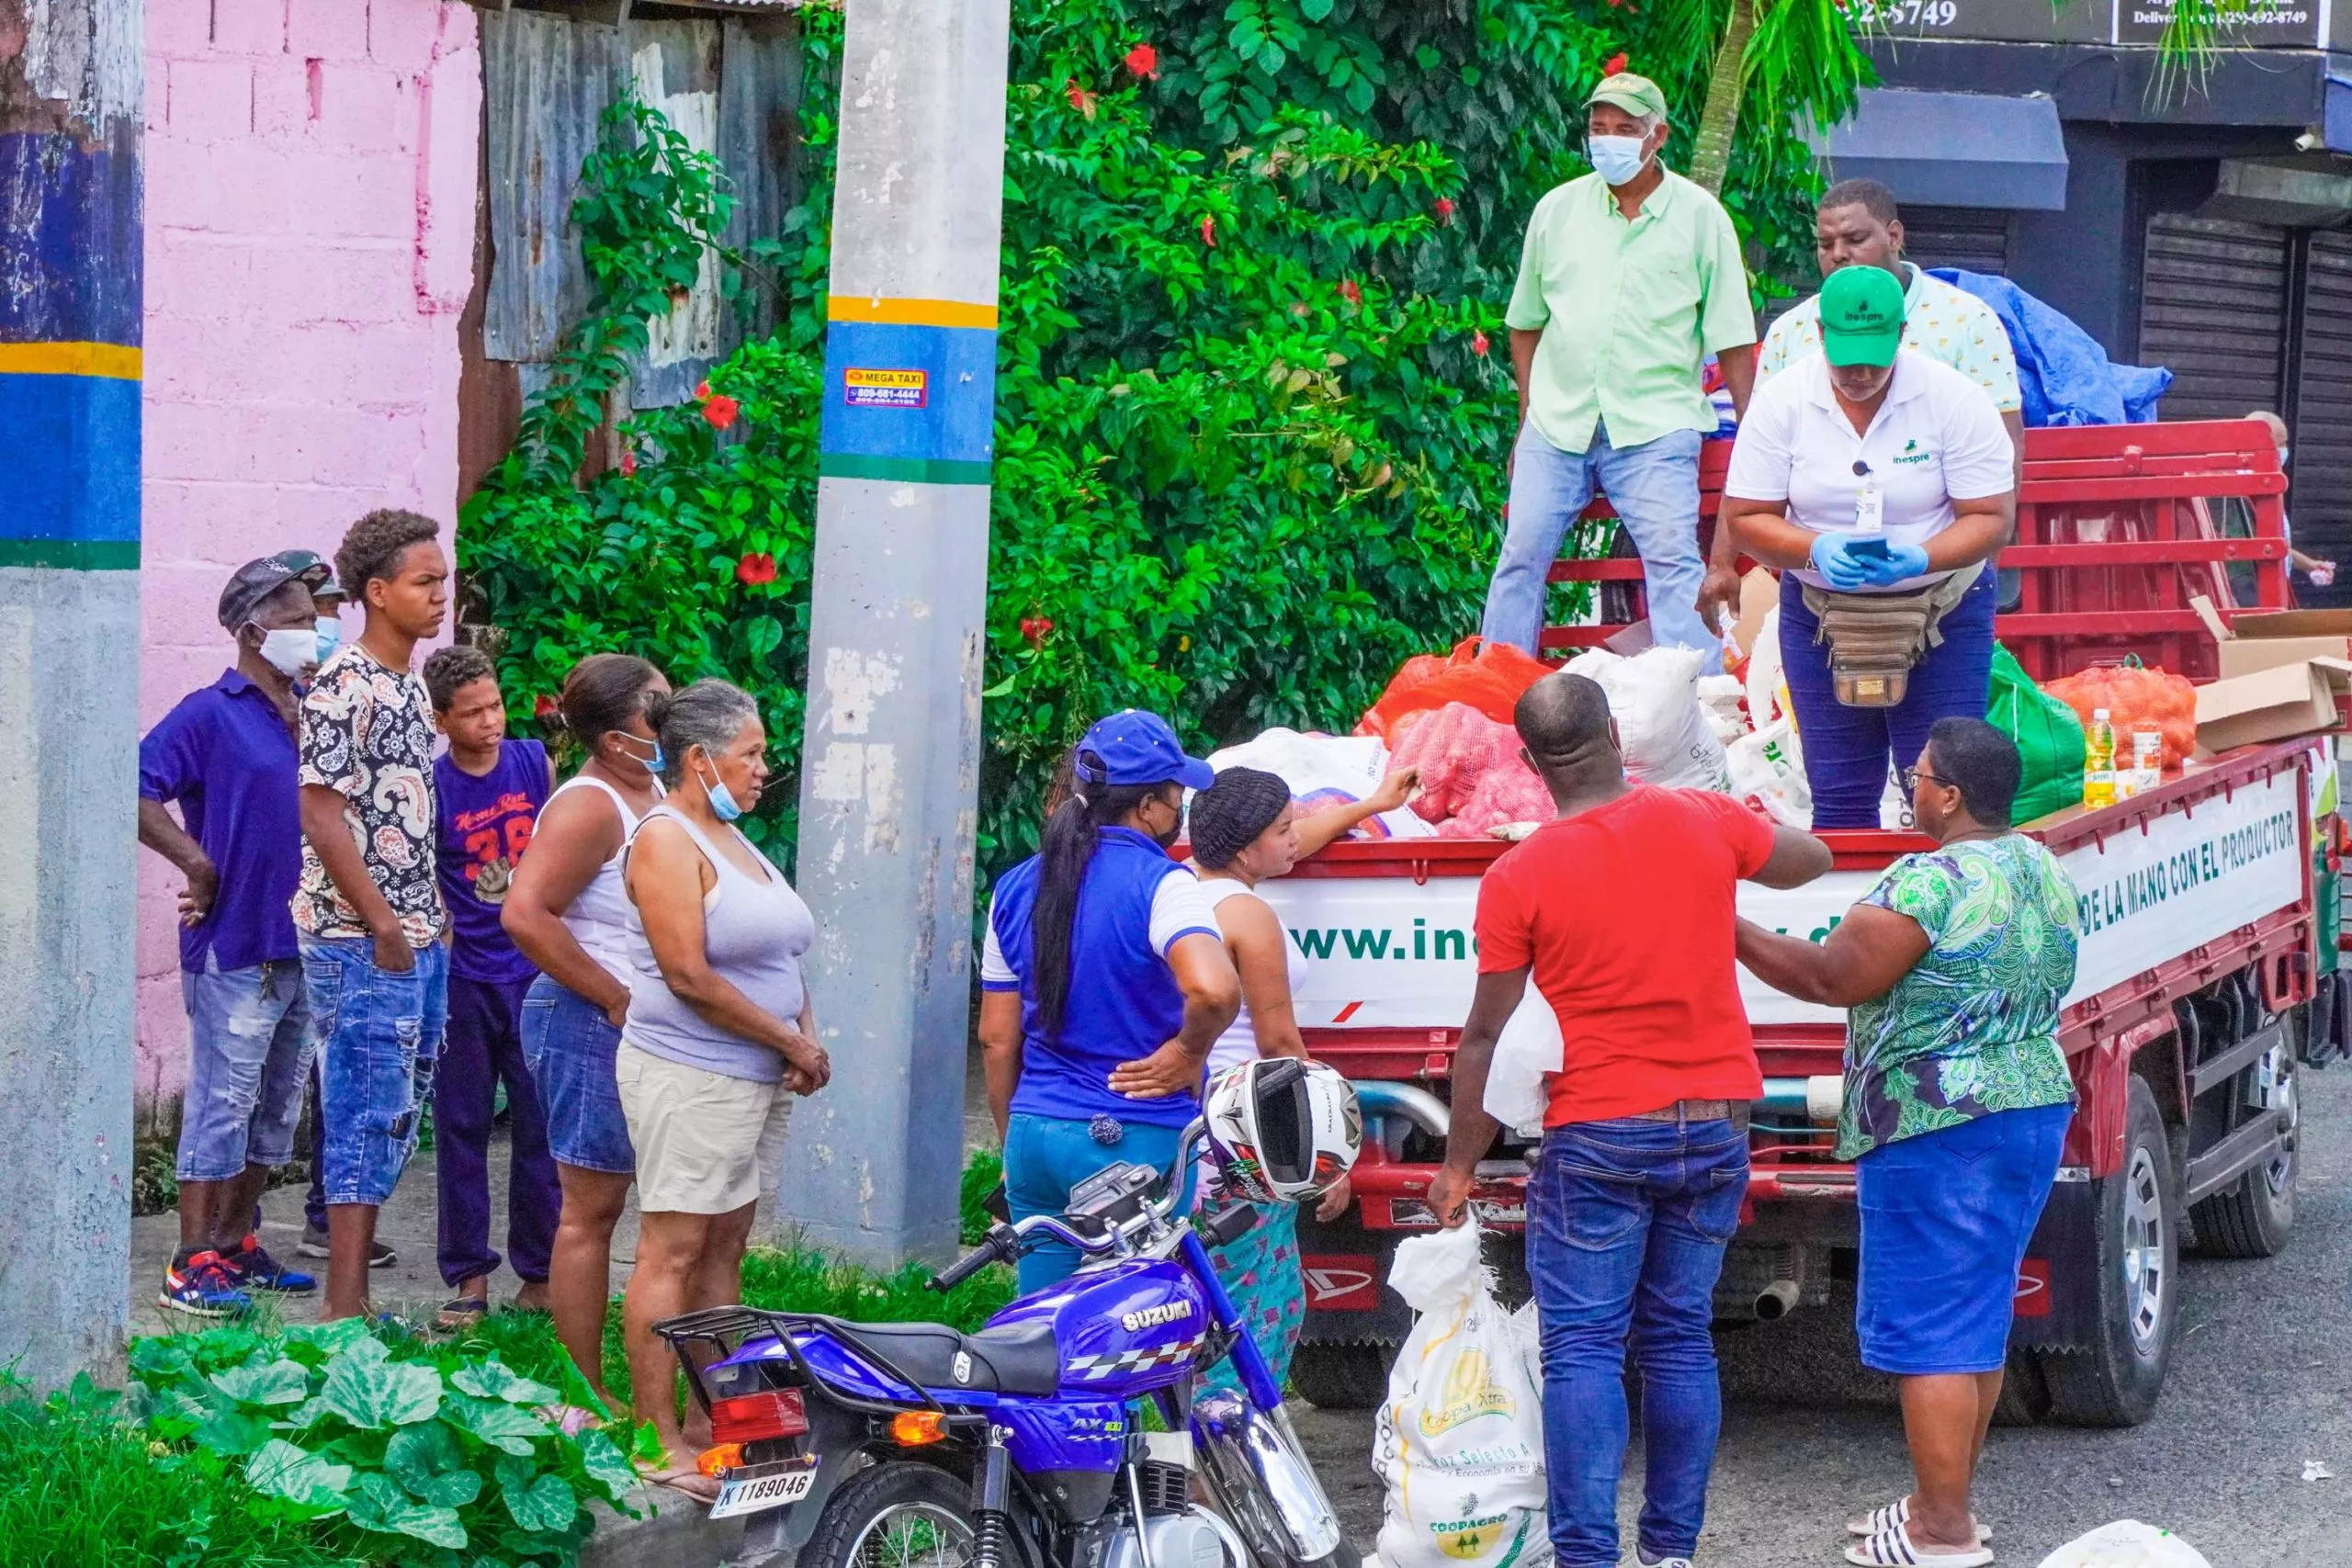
1244	831
1957	1100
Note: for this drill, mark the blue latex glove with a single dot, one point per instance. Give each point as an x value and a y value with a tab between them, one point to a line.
1899	563
1842	569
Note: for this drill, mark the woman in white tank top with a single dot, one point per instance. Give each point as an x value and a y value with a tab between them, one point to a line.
566	910
1244	831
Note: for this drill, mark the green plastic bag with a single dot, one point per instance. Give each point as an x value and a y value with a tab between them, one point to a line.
2049	737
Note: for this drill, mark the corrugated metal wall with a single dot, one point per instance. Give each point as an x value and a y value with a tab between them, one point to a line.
2213	309
2320	502
1973	239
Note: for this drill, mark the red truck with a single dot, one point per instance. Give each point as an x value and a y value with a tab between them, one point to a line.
2207	970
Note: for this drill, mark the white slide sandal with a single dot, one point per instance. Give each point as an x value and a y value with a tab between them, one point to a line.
1892	1549
1886	1516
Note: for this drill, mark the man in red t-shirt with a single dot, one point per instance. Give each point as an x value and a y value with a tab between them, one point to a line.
1623	911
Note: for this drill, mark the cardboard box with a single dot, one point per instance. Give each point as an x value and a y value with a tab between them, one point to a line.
2285	636
2270	704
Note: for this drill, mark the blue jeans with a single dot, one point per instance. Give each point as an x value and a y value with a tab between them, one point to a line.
1654	487
1626	1222
1848	752
1045	1156
249	1052
569	1045
380	1036
482	1050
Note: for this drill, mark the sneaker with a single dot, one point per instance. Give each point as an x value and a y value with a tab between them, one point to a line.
256	1269
204	1286
1661	1563
314	1245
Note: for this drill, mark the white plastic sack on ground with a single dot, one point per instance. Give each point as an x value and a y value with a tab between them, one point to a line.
1654	697
1764	682
1326	770
2127	1544
1529	1047
1768	768
1459	1442
1720	697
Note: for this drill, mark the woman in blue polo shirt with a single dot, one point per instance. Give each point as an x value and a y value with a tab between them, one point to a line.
1105	982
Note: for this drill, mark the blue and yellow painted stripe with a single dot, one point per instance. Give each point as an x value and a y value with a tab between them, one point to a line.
69	420
909	391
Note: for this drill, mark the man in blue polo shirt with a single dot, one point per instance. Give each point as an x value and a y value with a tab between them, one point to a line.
226	756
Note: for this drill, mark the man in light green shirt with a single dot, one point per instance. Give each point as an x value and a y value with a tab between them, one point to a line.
1630	277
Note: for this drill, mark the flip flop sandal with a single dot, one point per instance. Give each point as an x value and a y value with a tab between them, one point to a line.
462	1312
691	1483
1886	1516
1892	1549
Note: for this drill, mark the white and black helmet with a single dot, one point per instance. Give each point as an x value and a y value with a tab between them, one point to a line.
1282	1129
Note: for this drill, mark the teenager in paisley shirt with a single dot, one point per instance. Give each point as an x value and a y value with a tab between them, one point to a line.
369	907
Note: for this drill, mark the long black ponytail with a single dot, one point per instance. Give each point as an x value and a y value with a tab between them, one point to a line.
1068	849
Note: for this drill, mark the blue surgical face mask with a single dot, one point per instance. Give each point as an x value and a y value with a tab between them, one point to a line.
330	635
652	764
722	799
1617	159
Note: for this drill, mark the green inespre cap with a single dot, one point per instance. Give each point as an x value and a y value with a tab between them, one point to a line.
1861	316
1634	95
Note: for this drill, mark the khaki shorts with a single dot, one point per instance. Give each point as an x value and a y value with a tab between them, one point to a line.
707	1143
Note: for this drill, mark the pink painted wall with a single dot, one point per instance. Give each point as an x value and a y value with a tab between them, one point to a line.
311	172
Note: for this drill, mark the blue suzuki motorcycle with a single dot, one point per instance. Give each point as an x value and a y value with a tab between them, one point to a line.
886	1445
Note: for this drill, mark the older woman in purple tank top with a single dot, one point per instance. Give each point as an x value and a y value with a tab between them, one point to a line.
566	911
720	1038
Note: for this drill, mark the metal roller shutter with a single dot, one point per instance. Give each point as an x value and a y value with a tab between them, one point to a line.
2320	503
1973	239
2213	310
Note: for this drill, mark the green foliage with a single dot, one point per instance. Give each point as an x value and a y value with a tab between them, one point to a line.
1253	398
405	1451
983	1170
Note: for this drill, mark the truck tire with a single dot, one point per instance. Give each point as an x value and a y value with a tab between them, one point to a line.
2255	1216
2025	1392
1341	1377
2115	1381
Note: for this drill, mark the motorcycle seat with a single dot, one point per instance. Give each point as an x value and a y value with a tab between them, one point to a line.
1018	1360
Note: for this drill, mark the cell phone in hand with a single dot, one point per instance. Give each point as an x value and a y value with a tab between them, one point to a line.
1869	546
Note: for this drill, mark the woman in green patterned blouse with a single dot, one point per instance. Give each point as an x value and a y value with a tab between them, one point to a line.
1957	1100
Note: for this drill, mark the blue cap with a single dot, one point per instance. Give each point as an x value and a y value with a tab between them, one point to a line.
1139	747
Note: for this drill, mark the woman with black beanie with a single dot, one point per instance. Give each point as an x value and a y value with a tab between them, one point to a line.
1244	830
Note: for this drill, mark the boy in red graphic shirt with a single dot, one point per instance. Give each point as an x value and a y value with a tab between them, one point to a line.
488	791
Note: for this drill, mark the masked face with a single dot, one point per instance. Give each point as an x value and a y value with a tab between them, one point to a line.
1162	817
289	650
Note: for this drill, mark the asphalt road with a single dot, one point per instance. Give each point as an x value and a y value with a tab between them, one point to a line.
2261	1383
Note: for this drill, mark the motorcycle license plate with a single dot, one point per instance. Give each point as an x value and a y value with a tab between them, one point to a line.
756	1488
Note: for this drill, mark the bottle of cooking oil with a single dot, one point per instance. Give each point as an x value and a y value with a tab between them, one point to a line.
2098	763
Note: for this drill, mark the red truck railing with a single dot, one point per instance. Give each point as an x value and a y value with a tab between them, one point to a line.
2119	526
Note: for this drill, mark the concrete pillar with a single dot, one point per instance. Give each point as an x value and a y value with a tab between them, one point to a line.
71	86
892	760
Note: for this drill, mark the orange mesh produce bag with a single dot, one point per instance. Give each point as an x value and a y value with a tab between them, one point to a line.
1489	678
2130	695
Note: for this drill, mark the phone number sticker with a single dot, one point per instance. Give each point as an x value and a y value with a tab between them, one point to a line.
886	389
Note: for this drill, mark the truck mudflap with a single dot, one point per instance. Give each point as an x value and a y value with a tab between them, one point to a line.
2057	1299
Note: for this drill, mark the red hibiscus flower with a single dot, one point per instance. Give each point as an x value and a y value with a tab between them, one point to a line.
721	411
629	464
1034	629
545	708
1349	292
1479	345
1208	230
702	391
757	568
1079	98
1613	64
1144	61
1444	210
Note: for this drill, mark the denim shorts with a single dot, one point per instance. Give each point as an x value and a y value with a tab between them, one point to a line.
1947	1216
569	1044
249	1051
380	1038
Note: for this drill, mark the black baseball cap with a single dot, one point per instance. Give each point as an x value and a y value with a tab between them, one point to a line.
257	580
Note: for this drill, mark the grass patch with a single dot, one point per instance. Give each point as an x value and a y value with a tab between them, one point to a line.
79	1484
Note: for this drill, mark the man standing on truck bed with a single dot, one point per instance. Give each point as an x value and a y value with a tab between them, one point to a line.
1623	911
1630	277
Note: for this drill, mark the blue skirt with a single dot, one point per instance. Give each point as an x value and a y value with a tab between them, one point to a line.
1946	1219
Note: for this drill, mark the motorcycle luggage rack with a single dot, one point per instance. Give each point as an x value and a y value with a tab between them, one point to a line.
714	1324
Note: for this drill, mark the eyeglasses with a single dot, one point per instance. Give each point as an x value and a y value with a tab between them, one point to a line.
1911	777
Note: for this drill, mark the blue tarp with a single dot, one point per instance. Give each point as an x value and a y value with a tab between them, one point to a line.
2066	376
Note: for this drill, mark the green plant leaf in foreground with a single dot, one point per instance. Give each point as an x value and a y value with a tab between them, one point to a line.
234	1433
499	1425
313	1485
379	1504
281	1381
606	1465
428	1462
545	1504
372	1392
492	1380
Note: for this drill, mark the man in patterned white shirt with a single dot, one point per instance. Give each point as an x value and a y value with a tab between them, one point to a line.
1857	225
